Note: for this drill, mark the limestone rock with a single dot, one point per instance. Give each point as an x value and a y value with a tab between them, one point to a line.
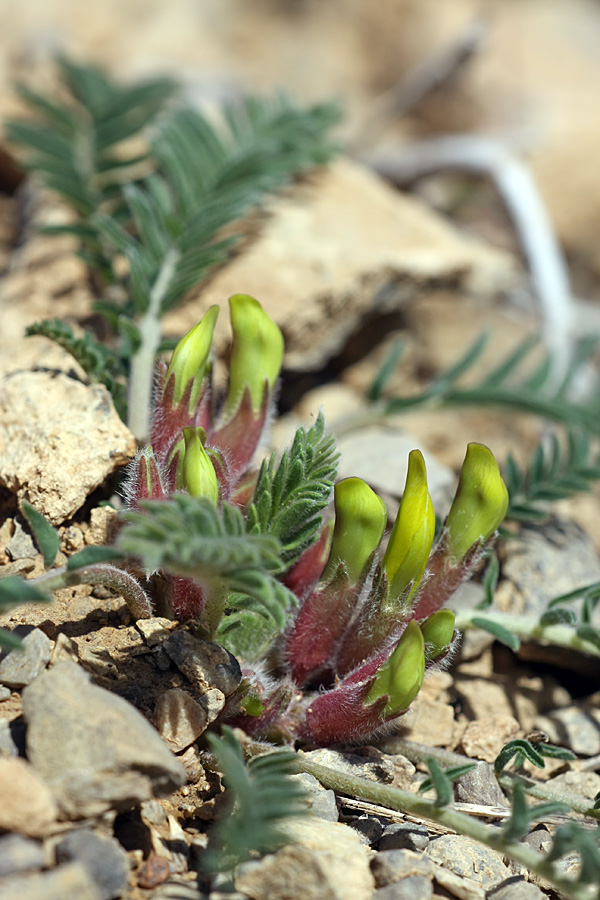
326	861
59	440
102	856
340	246
390	866
27	806
179	719
19	854
21	667
70	882
320	801
485	738
94	750
469	859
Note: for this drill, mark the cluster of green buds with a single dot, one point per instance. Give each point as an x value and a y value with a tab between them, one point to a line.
198	444
370	620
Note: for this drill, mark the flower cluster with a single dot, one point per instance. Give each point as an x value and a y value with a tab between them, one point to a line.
369	620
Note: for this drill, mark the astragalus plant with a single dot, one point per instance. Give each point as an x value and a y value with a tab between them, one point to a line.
335	626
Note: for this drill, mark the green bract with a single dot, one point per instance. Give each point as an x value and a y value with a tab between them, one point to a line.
412	535
402	675
257	352
480	502
437	631
360	519
191	358
198	476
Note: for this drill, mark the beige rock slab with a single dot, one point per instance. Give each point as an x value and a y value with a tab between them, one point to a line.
179	719
341	245
485	738
326	861
27	805
59	440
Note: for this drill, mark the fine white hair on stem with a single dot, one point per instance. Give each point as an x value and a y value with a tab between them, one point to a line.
519	193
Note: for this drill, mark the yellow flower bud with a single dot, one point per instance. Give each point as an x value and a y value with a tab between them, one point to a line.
257	352
410	542
195	472
401	676
360	519
191	357
480	502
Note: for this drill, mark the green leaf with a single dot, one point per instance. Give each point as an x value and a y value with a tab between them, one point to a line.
517	826
590	634
188	536
45	536
15	590
291	494
490	581
501	633
91	556
386	371
443	786
558	616
521	747
260	797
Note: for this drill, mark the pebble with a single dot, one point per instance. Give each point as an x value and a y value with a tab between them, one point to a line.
4	692
325	860
462	888
205	663
516	889
586	784
21	545
415	887
485	738
21	667
102	856
368	826
468	858
156	870
27	805
7	742
379	769
19	854
155	630
179	719
177	888
321	802
113	758
390	866
573	727
480	786
403	836
69	882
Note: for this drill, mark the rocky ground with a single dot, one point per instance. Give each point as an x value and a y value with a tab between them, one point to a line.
103	791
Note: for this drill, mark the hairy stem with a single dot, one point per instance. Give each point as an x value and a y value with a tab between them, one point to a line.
529	628
142	364
414	805
110	576
419	753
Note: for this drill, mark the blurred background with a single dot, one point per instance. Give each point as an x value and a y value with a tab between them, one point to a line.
524	72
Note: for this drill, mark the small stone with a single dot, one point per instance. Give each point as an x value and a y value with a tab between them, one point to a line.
468	858
320	801
586	784
377	768
155	630
462	888
415	887
21	545
326	861
153	812
19	854
103	526
516	888
71	539
102	856
403	836
390	866
70	882
480	786
4	693
574	727
113	758
179	719
7	742
20	667
156	870
429	722
177	888
64	649
27	805
206	664
485	738
368	826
